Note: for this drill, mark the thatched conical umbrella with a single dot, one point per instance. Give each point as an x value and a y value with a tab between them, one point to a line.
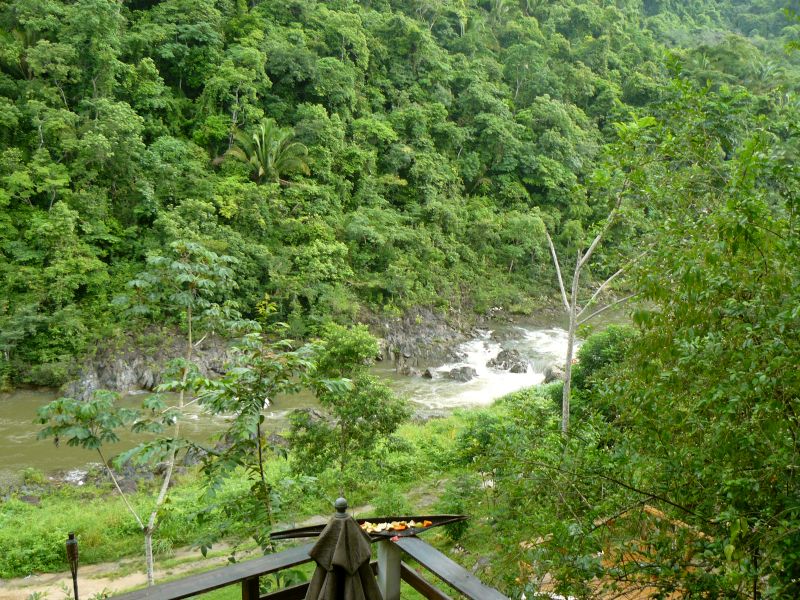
342	555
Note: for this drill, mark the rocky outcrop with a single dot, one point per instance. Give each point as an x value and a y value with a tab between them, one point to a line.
554	373
419	338
503	335
462	374
509	360
411	343
131	365
276	441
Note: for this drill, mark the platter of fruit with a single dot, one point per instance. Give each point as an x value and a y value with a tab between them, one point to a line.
378	527
409	527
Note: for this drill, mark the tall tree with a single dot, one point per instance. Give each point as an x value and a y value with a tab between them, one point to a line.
258	371
707	406
185	282
617	184
360	414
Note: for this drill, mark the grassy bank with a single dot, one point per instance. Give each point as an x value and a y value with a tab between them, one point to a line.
33	530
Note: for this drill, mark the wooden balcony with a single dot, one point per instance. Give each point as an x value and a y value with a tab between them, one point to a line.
390	570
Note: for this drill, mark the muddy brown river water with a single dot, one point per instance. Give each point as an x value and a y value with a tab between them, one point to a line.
540	345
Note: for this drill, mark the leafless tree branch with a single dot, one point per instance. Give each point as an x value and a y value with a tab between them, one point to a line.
558	269
605	308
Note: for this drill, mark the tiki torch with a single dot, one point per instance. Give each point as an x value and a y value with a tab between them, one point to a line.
72	557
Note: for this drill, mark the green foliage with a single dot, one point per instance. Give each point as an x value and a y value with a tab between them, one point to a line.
33	477
33	536
43	555
474	440
704	394
88	424
270	153
680	467
358	415
258	372
187	282
389	155
389	502
602	349
456	500
347	351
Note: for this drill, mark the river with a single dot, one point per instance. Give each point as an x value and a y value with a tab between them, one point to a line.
540	345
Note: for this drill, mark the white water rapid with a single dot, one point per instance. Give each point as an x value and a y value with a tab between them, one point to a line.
539	346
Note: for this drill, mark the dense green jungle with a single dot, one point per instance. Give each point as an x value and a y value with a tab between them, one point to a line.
276	172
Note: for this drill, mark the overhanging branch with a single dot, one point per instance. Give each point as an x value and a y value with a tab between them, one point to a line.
605	308
608	281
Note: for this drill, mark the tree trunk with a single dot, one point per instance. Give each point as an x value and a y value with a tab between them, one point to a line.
151	522
573	326
148	555
162	495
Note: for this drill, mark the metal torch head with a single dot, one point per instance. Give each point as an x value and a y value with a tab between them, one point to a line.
72	553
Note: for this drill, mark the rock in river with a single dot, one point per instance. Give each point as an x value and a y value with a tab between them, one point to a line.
462	374
429	373
509	360
554	373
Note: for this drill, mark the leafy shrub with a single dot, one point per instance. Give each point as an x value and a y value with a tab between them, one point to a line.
458	497
477	439
599	350
26	555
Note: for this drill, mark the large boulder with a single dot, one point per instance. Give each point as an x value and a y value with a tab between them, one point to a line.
509	360
462	374
403	366
456	355
407	370
554	373
501	336
194	455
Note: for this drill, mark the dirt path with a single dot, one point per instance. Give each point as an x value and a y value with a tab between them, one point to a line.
104	577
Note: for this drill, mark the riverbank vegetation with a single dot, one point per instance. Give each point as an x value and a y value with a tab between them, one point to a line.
33	532
635	498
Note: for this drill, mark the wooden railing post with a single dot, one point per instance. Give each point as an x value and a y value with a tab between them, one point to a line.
250	589
389	559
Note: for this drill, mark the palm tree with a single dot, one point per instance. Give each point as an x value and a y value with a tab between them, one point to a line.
270	152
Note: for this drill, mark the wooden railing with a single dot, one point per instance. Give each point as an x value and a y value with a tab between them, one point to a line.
389	568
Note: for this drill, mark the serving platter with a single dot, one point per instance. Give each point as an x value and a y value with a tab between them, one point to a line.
435	521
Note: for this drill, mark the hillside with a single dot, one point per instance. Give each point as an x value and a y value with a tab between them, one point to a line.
411	151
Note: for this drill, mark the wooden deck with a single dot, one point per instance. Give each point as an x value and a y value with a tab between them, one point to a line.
244	573
389	568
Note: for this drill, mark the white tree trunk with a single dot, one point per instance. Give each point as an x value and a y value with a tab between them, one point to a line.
575	312
573	327
148	555
162	494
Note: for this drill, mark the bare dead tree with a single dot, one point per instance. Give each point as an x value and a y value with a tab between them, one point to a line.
578	313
